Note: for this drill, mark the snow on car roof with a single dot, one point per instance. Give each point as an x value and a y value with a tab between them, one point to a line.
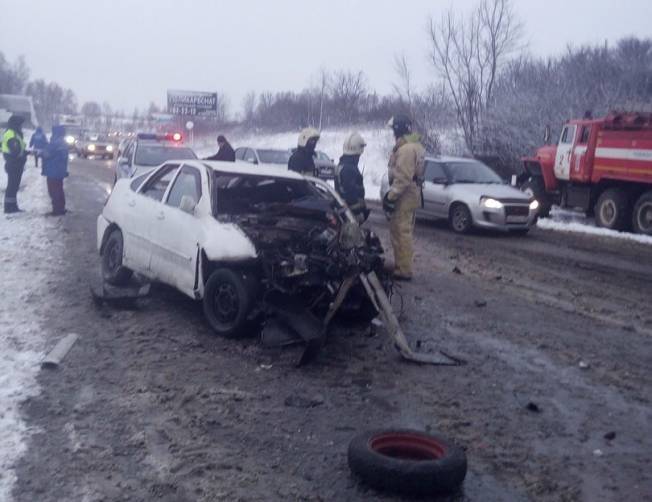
250	169
446	158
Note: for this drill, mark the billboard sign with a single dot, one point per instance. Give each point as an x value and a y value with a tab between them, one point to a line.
192	103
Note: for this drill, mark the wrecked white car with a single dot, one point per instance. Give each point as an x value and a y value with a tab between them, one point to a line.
250	242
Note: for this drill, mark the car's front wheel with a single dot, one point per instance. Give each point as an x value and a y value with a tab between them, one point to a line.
460	218
113	271
227	302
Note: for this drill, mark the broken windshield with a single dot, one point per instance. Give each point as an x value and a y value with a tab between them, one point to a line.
242	194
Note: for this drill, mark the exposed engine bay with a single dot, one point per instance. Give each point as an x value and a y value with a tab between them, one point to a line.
303	238
314	260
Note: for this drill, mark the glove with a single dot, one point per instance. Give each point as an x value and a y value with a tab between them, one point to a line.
389	206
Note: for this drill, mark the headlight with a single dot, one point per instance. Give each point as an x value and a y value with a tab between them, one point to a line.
109	148
69	139
490	203
91	148
534	205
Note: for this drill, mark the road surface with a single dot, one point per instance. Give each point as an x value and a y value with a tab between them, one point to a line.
553	404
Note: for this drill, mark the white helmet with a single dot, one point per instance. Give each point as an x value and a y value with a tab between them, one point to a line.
354	144
307	134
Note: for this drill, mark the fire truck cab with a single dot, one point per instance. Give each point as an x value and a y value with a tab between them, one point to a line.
602	166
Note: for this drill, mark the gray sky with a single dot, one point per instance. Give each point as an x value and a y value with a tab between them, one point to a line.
128	52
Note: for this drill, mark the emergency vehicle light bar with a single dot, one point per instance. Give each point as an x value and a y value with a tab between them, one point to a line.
160	137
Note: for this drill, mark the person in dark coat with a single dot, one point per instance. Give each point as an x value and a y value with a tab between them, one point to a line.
37	143
225	151
348	179
55	169
302	160
15	155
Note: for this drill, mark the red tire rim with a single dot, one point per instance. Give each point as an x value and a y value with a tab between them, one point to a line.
407	446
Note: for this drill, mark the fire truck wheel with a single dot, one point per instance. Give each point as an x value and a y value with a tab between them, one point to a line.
407	461
612	209
642	216
535	187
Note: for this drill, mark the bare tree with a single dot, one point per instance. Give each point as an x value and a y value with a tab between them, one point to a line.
249	109
468	53
404	86
347	90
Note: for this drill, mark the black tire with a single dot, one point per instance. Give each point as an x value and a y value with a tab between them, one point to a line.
407	462
460	219
227	302
113	271
642	214
536	188
612	210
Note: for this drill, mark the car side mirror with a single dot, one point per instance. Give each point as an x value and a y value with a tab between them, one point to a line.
440	181
187	204
252	161
546	135
123	161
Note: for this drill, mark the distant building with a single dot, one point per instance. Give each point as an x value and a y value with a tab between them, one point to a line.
14	104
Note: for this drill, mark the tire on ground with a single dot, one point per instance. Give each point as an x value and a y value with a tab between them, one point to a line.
113	271
228	298
407	462
642	214
460	219
612	210
537	188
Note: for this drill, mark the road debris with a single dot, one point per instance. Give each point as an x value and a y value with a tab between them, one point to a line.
60	350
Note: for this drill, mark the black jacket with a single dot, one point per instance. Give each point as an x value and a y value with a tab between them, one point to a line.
349	182
225	153
302	161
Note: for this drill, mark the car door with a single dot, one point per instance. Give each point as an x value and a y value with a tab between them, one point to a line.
176	231
144	205
435	189
564	151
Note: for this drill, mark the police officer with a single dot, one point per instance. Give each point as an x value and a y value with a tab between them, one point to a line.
348	179
406	170
15	155
303	158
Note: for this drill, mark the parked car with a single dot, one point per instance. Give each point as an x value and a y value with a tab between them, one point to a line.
324	165
262	155
145	151
469	194
95	145
242	239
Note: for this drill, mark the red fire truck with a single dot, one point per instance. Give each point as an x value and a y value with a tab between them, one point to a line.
602	166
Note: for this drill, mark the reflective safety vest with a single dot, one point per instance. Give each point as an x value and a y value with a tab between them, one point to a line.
8	135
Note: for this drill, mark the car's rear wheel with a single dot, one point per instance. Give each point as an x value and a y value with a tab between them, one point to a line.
460	218
113	271
227	302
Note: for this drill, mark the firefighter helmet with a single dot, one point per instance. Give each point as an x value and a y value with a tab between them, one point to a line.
400	124
354	144
307	134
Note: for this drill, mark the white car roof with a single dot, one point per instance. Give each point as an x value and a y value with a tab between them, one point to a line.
446	158
274	170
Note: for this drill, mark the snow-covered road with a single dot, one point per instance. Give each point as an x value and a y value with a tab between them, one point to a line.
28	255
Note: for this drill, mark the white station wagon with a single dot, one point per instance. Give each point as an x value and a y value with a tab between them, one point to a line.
244	239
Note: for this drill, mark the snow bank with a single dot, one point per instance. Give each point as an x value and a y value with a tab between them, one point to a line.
587	228
27	260
373	162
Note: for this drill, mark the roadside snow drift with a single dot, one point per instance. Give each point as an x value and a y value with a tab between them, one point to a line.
27	260
373	162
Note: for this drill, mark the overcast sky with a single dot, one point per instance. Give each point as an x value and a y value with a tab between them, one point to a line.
129	52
